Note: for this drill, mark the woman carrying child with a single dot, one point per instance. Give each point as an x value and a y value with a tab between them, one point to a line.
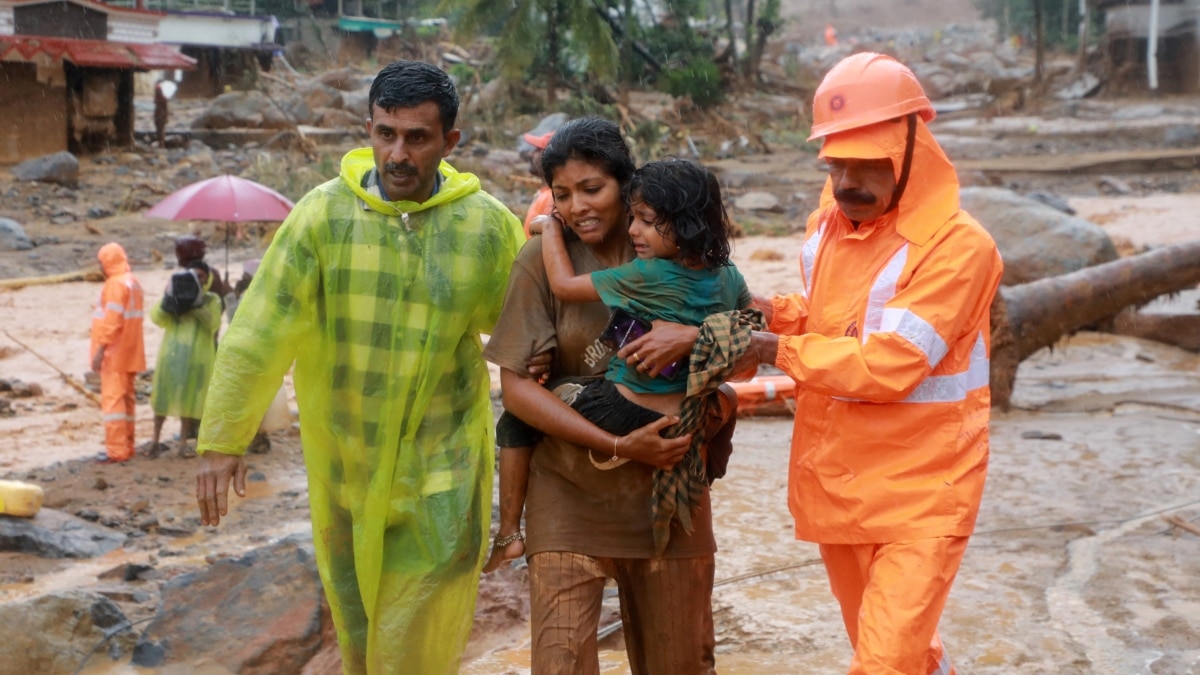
586	525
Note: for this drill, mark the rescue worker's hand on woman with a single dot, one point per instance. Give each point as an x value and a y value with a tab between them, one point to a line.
665	344
212	484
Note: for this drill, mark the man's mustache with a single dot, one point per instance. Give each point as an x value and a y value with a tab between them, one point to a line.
392	167
854	196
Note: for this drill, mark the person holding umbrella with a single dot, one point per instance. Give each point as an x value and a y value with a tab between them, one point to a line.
377	287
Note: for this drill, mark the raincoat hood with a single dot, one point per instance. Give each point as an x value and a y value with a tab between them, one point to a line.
930	198
357	163
113	260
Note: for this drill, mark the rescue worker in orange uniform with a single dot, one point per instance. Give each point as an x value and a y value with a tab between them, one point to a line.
888	341
118	351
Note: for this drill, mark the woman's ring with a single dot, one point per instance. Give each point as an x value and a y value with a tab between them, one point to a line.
635	355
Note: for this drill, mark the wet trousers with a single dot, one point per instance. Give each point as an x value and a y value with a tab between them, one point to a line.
666	609
117	408
427	587
892	596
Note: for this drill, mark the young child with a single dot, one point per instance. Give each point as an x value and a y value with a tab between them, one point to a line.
680	233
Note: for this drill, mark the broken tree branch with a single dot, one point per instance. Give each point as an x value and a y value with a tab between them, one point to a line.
1182	524
66	378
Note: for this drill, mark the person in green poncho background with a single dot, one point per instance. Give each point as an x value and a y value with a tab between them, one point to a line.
377	287
185	363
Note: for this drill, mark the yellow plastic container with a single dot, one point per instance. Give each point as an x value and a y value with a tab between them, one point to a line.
20	499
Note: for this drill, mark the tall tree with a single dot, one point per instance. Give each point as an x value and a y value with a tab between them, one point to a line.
551	28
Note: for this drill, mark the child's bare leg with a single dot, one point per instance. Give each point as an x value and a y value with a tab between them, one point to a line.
514	481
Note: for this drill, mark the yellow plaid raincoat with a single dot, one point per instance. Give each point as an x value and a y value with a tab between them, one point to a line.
380	306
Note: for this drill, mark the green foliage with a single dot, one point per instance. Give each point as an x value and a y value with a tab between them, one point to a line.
700	79
584	106
522	35
279	173
1060	20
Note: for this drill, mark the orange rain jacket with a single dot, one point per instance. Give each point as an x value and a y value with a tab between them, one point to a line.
117	319
542	205
889	342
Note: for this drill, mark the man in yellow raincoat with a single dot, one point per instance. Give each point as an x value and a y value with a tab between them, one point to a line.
377	286
888	341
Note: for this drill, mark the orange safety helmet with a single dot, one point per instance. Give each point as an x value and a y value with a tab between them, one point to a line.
864	89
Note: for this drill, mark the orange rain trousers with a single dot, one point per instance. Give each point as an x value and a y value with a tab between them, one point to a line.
891	614
117	401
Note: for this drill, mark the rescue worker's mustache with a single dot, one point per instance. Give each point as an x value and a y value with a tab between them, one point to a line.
853	196
406	169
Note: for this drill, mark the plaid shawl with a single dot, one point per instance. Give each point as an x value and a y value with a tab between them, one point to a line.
722	341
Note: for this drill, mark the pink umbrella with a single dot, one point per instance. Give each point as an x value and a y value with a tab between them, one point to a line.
225	198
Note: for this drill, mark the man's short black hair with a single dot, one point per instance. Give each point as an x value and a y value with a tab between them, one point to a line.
408	84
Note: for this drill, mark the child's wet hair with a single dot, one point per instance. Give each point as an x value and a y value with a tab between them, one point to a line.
686	197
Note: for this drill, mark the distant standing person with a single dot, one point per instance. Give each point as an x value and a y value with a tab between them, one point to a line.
377	287
118	351
190	248
185	361
161	113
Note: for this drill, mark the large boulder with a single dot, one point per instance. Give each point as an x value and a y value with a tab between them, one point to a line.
356	101
60	167
261	613
236	109
54	534
13	237
57	633
318	95
1036	240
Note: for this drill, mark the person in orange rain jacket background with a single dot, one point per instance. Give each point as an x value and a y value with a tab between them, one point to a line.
118	351
888	340
543	201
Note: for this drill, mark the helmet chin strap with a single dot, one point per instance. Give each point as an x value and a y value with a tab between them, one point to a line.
906	166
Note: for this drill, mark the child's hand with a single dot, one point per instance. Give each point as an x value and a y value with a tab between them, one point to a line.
542	224
538	366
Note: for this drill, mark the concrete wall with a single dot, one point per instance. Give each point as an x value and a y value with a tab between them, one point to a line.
32	114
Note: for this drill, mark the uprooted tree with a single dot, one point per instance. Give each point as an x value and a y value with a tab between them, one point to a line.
1035	315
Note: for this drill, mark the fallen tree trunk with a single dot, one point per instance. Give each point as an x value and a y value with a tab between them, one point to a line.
87	274
1035	315
1179	330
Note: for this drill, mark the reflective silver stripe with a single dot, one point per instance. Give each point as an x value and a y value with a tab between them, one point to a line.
114	307
953	388
117	417
135	314
949	388
98	313
882	290
808	258
917	331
